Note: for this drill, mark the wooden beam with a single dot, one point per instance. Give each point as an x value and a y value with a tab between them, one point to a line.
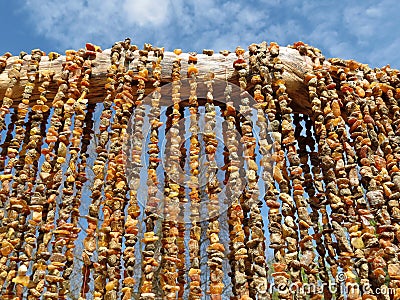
295	68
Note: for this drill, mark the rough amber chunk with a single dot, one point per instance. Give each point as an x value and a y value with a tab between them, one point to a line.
6	248
178	51
21	279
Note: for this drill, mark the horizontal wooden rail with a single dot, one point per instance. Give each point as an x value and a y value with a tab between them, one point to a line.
222	66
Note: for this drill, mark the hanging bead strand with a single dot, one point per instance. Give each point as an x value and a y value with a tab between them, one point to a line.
256	244
14	76
363	136
234	183
251	190
216	249
281	177
106	273
296	261
18	208
41	197
32	151
62	258
195	291
25	175
99	171
358	202
59	236
277	242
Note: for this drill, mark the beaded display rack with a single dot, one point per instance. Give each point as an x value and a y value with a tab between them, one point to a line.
310	174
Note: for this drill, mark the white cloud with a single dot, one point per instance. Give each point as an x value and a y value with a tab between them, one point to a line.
146	13
366	31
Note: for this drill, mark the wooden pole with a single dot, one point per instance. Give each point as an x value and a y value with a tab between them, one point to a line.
295	67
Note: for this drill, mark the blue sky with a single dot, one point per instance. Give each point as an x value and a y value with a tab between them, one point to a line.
367	31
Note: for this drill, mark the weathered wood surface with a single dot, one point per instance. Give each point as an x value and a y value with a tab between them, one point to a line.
295	68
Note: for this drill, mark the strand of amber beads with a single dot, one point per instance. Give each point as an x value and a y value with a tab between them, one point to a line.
19	197
292	179
257	242
318	93
216	249
181	238
382	158
364	137
104	267
37	131
131	226
18	205
58	238
36	207
254	223
67	228
356	235
333	170
389	233
251	191
123	110
271	174
169	257
14	76
195	291
82	178
306	180
43	213
153	201
386	175
280	240
233	191
359	202
89	55
314	189
133	157
116	185
99	169
172	209
149	262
